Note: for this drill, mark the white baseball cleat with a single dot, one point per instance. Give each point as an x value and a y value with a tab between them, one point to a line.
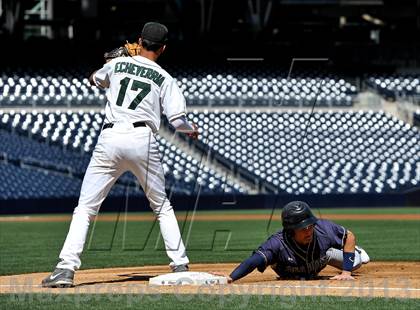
363	255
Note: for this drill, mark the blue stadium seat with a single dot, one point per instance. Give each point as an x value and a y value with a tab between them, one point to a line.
339	152
62	141
394	86
208	87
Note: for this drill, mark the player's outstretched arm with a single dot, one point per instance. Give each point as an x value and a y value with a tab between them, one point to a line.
348	258
246	267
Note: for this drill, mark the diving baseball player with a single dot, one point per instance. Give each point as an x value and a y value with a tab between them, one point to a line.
304	247
138	91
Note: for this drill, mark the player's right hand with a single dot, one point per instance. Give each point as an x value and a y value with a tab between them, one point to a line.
193	135
221	274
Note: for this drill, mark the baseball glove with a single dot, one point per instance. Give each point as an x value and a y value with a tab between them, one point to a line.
129	49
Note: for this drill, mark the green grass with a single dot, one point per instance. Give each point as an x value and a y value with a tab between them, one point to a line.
405	210
138	301
402	210
34	247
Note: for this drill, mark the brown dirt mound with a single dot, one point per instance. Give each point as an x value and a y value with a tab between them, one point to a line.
376	279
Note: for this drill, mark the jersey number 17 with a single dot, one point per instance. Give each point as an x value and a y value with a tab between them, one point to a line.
135	86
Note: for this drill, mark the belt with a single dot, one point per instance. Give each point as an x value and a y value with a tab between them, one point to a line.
136	124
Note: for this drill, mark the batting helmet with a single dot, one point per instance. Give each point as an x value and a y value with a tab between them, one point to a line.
296	215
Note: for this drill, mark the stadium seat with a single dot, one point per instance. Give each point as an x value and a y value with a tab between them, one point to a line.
327	152
62	141
205	86
394	86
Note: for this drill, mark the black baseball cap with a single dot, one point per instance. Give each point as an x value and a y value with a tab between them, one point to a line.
155	33
297	215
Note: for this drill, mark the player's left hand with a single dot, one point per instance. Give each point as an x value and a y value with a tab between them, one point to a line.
344	276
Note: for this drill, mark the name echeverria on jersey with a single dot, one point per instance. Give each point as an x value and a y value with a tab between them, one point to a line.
148	73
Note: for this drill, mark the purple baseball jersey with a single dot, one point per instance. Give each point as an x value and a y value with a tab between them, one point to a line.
291	260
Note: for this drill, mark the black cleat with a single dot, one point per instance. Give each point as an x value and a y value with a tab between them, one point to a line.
59	278
180	268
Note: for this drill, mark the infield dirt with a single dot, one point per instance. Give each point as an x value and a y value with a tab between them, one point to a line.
376	279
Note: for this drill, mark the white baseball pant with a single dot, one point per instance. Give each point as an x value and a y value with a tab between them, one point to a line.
119	149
